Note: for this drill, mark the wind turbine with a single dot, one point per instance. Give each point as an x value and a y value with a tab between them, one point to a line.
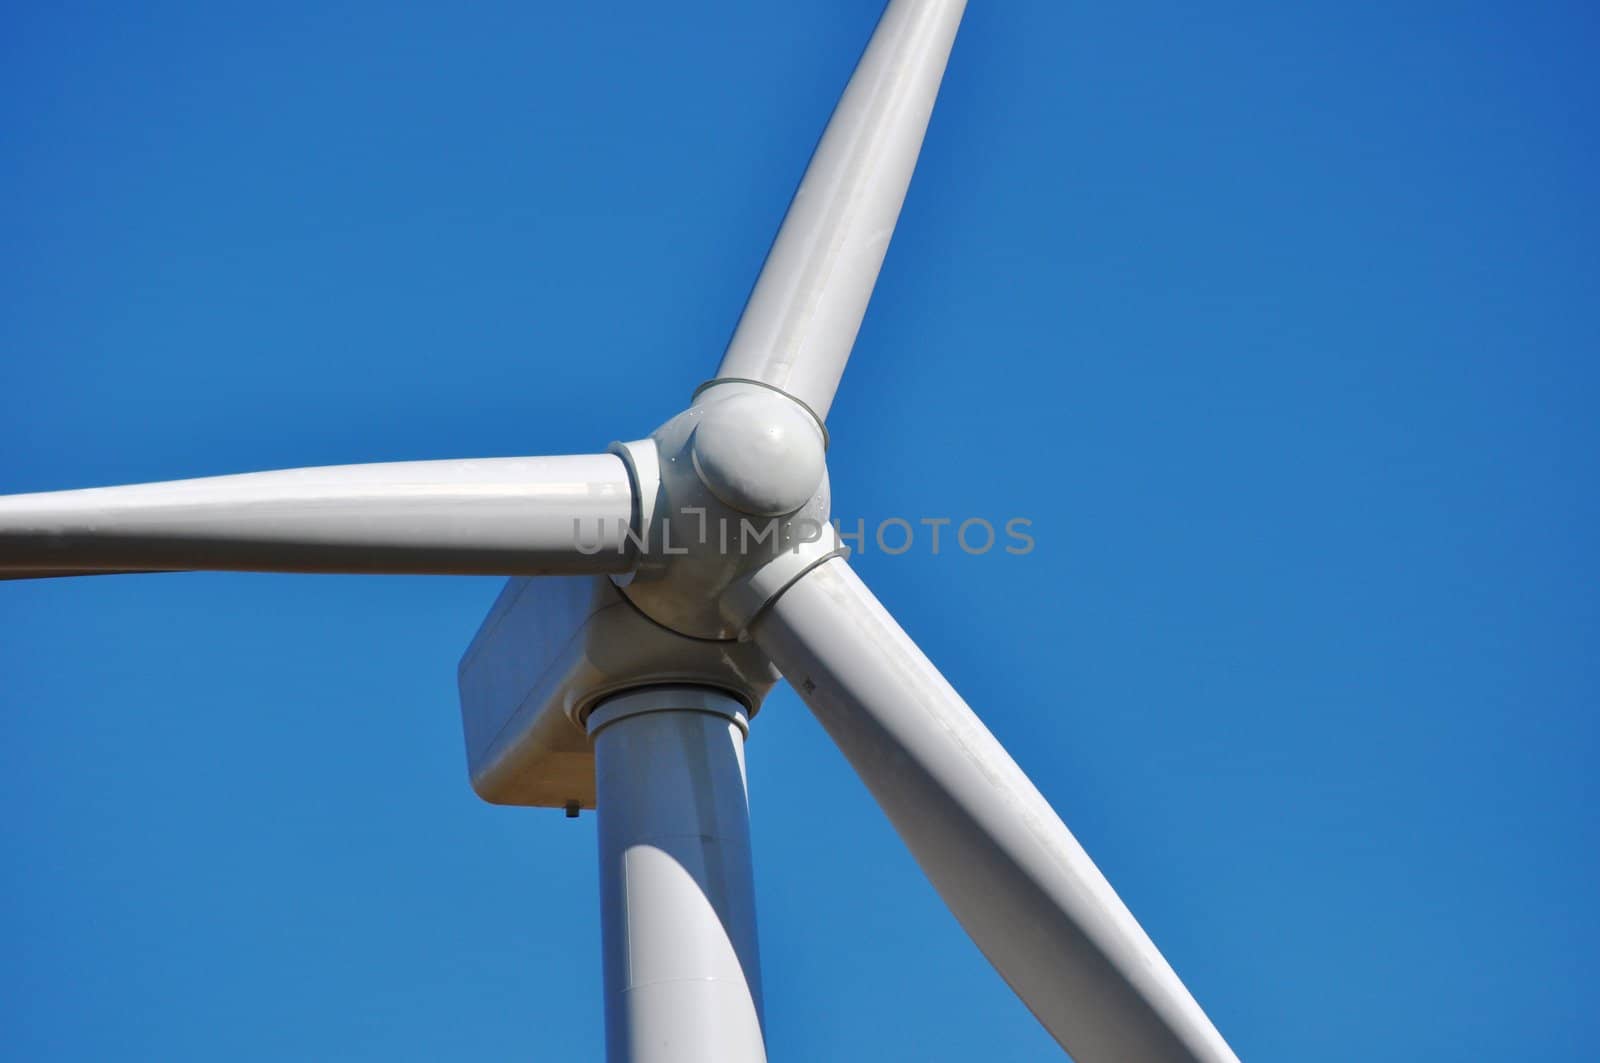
658	592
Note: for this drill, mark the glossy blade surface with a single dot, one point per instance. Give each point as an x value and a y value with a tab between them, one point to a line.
507	516
1012	873
802	317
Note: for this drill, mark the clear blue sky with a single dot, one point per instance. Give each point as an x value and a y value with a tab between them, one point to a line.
1280	322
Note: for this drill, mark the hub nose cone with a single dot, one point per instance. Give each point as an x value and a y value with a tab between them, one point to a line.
759	453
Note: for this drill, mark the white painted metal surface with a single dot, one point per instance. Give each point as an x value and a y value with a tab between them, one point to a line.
548	650
758	452
807	305
1012	873
762	449
682	971
506	516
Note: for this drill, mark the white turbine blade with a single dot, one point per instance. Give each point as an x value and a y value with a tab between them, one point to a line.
803	315
1014	876
501	516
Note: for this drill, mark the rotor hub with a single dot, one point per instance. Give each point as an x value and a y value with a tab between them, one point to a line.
732	487
758	452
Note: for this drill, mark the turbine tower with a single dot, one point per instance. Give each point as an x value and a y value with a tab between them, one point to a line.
658	591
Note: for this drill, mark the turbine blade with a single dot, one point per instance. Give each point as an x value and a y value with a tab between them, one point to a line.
1014	876
500	516
802	317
